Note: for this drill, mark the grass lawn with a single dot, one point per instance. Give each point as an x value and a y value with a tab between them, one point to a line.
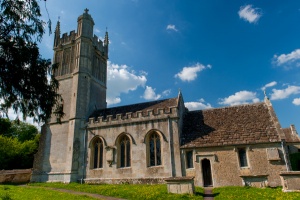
14	192
232	192
125	191
144	192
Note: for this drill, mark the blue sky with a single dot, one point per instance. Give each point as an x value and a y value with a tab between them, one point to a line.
218	53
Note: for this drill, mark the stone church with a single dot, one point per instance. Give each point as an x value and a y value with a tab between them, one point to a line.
149	142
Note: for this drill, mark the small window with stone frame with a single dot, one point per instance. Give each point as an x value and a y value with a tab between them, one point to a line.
189	159
242	154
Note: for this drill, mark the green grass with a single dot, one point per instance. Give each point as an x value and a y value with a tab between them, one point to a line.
248	193
145	192
14	192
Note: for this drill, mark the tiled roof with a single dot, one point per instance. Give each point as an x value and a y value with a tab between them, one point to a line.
290	136
244	124
153	105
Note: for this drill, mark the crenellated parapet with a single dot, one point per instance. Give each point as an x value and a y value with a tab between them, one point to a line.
70	38
65	39
98	44
134	117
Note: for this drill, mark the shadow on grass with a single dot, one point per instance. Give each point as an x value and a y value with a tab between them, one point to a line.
206	195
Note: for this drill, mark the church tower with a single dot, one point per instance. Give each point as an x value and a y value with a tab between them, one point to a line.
82	74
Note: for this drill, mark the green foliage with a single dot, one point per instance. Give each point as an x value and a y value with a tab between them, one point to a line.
26	80
5	125
126	191
29	193
295	161
15	154
234	192
18	144
20	130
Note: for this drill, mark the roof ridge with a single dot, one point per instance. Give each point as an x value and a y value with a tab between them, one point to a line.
138	103
234	106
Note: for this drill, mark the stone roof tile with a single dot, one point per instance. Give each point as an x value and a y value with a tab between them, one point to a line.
290	136
152	105
244	124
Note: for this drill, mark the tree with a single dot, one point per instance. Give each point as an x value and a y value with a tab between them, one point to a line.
18	144
27	84
20	130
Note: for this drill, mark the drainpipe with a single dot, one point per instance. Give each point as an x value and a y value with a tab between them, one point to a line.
84	152
284	155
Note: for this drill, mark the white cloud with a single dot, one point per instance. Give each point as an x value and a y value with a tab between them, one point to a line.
284	93
271	84
166	93
171	27
190	73
150	94
249	14
287	60
296	101
120	79
198	105
242	97
96	30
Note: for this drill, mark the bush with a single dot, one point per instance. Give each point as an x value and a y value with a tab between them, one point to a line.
15	154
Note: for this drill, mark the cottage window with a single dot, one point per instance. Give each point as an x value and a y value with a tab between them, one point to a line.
125	151
189	159
243	157
154	149
98	153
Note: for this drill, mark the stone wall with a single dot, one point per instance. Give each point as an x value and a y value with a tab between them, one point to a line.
15	176
290	181
226	170
137	132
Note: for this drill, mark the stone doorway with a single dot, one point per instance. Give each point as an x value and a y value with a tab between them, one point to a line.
206	173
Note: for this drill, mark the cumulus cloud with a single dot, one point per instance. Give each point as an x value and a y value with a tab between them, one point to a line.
285	93
288	60
120	79
271	84
242	97
249	14
197	105
150	94
296	101
190	73
171	27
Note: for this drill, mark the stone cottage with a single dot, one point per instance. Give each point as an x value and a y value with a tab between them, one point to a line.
149	142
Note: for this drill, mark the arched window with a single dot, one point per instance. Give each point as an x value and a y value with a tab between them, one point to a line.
98	153
125	151
154	149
